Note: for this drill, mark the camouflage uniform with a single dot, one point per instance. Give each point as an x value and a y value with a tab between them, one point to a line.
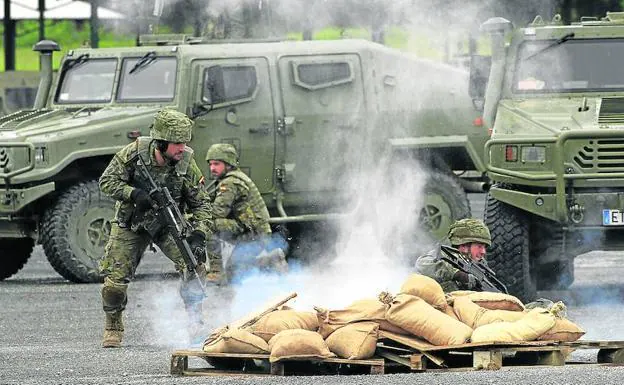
463	231
134	229
239	212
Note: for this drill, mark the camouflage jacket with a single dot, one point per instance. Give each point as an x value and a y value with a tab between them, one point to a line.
184	181
443	272
238	207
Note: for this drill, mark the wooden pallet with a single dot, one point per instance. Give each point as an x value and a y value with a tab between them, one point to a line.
258	364
419	355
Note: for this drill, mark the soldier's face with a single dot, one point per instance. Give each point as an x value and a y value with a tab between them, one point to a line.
217	168
175	151
476	251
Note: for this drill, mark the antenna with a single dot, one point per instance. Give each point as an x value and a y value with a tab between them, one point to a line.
158	10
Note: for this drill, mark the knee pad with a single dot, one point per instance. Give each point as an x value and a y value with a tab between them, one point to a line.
114	296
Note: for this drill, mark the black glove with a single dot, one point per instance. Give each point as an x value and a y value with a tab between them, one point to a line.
141	199
197	241
469	281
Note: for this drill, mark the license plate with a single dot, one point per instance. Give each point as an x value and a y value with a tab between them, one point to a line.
613	218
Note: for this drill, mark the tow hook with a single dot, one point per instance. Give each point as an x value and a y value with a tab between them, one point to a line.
576	213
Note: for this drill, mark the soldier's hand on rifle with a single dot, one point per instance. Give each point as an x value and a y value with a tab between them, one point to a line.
197	241
468	280
141	199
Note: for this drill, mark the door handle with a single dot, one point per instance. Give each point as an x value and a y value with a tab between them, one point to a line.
264	129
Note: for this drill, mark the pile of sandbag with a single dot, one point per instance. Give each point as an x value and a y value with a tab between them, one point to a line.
421	309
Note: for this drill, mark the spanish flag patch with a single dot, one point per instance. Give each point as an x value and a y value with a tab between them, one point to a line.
202	180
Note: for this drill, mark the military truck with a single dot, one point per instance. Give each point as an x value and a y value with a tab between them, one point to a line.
555	104
301	114
17	90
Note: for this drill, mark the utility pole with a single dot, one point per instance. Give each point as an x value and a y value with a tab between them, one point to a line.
95	24
9	38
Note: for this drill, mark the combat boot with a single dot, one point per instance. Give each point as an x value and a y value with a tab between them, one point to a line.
113	330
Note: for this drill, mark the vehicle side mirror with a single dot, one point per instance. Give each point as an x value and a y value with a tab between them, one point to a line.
479	74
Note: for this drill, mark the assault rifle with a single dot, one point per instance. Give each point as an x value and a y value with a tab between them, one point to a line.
486	278
168	211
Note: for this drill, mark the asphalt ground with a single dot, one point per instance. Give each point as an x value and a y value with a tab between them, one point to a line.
50	329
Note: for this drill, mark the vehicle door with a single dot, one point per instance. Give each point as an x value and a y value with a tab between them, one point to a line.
323	122
234	99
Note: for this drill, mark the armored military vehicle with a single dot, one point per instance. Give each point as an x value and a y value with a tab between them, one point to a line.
555	104
301	115
17	90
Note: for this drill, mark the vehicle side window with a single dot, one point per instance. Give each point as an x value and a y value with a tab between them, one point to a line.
314	76
229	84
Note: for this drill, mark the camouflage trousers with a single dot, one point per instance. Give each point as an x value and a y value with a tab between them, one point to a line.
122	256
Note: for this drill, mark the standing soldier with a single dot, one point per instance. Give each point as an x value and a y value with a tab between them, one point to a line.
240	214
171	164
471	237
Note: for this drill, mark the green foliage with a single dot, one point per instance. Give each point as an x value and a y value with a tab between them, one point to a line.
67	34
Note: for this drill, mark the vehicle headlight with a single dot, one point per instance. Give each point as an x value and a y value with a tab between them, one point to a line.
41	154
533	154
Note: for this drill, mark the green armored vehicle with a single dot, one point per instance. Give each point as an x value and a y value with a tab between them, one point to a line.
301	114
17	90
555	104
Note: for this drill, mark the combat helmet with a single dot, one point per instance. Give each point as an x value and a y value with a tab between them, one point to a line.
172	126
469	230
223	152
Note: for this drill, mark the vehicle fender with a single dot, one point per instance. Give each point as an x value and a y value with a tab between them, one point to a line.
440	142
528	202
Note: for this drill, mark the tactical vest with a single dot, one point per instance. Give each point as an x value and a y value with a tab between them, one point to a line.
164	176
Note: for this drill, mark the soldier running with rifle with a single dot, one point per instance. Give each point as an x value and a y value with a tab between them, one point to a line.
154	180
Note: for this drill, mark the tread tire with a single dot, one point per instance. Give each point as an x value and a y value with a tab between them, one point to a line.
509	254
62	227
18	250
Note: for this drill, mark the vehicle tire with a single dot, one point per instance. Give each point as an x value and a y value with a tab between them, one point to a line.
17	251
549	239
509	254
445	201
75	231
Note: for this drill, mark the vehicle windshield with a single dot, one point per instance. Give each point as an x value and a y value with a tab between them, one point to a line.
152	80
578	65
90	81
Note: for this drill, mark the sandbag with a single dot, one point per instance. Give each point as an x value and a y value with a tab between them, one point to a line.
423	320
279	320
496	301
356	341
563	331
474	315
534	324
359	311
426	288
237	341
297	344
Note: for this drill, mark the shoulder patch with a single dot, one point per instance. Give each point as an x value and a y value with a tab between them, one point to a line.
202	181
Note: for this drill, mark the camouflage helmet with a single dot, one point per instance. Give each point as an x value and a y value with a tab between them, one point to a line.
223	152
469	230
172	126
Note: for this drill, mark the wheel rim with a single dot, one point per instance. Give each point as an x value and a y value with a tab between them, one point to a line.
91	234
435	216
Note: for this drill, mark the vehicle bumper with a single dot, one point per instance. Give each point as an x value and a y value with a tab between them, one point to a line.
585	212
13	200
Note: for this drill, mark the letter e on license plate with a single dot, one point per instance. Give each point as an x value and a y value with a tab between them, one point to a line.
612	218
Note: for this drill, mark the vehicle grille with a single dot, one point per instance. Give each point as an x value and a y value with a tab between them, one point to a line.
601	155
4	158
611	111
